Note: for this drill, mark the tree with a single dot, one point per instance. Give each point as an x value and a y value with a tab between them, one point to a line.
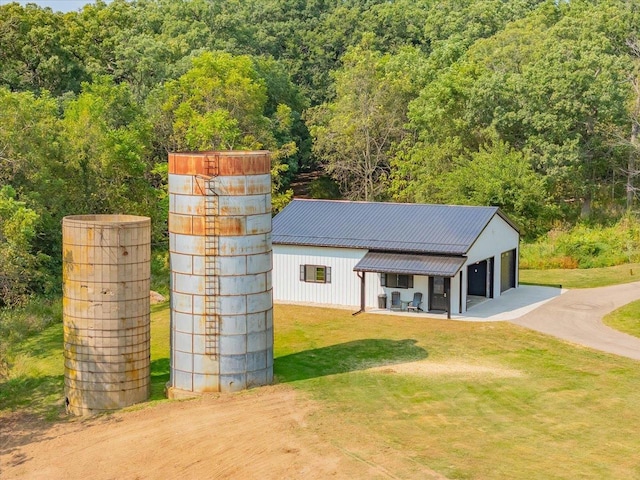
500	176
633	142
355	134
106	139
569	97
217	104
551	85
222	103
31	161
19	271
35	50
453	26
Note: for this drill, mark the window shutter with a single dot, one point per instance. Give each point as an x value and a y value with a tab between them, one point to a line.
410	281
327	277
383	279
302	273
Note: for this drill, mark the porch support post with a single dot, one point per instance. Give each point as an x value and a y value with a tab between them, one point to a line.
460	295
447	284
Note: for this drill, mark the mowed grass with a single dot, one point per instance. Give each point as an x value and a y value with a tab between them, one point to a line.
485	401
583	277
559	411
626	319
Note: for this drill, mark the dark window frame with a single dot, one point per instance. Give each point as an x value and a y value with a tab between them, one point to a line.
310	273
396	280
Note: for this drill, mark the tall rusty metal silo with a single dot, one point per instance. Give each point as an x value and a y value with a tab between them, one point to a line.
106	315
221	261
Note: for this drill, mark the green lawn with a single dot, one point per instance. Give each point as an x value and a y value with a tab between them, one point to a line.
626	319
583	277
490	401
568	413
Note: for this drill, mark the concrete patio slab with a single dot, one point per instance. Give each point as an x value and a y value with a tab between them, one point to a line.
510	305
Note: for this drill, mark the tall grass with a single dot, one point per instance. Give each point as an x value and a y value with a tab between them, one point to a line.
17	324
585	246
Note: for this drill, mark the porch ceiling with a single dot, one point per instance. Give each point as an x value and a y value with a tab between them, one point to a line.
410	264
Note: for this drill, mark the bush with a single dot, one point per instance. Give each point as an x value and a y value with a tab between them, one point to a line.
20	267
160	272
324	188
585	246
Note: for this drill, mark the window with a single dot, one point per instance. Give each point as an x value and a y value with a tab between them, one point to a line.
394	280
315	274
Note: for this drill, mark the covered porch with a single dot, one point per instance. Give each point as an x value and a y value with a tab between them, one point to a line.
512	305
412	282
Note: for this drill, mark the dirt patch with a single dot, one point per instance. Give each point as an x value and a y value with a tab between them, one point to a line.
264	433
428	368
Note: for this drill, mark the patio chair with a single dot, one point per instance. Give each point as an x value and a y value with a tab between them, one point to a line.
396	304
414	305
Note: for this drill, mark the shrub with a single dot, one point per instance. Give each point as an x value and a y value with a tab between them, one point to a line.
585	246
324	188
160	272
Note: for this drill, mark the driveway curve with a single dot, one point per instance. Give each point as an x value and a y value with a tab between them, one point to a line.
576	316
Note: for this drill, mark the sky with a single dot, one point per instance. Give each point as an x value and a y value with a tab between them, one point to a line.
55	5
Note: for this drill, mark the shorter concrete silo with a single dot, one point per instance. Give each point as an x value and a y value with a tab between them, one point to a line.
106	314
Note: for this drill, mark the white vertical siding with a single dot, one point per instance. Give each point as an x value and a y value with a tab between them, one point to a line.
455	294
463	274
344	289
373	289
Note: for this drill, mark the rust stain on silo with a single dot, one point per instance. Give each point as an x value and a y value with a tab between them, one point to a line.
231	226
254	187
199	226
180	224
235	187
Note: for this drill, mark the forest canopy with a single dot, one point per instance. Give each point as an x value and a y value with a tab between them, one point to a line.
531	106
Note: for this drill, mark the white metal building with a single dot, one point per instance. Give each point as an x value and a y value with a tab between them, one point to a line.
357	254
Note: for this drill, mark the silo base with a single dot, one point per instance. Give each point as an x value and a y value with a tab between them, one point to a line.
228	384
173	393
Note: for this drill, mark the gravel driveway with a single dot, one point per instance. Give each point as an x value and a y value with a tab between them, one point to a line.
576	316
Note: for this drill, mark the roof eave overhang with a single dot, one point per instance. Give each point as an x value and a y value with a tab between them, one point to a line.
410	264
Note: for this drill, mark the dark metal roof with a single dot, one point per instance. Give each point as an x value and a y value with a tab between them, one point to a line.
410	264
406	227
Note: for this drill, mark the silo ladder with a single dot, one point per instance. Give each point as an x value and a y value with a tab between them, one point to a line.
212	274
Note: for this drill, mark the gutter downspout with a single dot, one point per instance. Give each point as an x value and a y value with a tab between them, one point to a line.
362	294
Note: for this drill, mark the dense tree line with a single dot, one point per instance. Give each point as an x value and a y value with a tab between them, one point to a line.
530	105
